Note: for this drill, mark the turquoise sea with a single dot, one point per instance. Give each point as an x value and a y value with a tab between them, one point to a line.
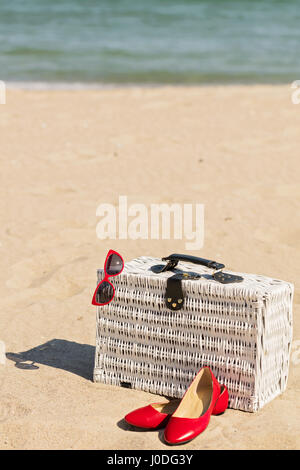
150	41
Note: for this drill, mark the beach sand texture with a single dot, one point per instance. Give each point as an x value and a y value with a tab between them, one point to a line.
233	148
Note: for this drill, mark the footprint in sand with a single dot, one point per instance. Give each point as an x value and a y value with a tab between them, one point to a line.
38	282
55	280
25	274
10	409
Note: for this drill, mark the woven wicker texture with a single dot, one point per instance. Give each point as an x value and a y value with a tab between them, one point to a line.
242	331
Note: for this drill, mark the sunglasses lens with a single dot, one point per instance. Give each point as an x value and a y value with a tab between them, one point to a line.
114	264
104	293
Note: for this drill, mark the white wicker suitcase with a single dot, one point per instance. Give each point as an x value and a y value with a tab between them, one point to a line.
242	331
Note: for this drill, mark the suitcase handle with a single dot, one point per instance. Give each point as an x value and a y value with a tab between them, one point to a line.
174	259
174	296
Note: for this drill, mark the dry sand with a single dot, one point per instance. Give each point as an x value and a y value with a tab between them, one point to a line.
235	149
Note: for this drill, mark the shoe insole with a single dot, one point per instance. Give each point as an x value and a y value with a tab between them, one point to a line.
168	407
198	398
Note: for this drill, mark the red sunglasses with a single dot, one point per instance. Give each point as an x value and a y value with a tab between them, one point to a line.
105	291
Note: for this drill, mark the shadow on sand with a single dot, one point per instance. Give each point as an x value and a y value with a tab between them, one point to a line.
59	353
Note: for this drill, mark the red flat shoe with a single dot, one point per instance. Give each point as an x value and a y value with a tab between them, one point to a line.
192	416
156	415
153	416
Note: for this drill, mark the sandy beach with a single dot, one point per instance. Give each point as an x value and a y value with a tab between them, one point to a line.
234	149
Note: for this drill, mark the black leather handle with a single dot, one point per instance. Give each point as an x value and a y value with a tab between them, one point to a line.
175	258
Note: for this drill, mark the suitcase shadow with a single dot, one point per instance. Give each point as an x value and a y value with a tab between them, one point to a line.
58	353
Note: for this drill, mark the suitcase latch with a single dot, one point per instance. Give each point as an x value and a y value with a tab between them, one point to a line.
174	293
